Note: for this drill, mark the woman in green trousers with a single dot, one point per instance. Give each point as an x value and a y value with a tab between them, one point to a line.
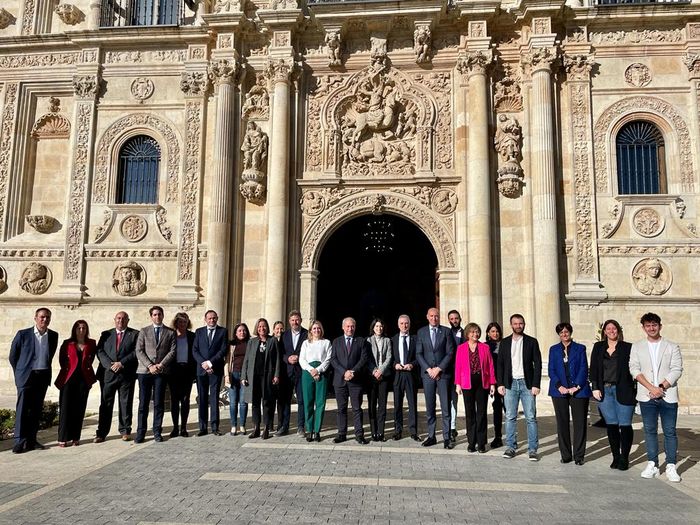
314	359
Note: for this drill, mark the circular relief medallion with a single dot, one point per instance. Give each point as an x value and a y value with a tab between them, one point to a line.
312	203
129	279
637	75
3	279
142	88
133	228
36	279
652	276
444	201
647	222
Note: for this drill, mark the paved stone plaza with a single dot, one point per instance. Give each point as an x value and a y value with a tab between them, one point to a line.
229	479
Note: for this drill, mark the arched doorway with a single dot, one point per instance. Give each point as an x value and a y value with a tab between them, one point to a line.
376	266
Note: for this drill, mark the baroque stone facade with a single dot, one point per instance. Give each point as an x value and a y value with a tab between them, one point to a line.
494	133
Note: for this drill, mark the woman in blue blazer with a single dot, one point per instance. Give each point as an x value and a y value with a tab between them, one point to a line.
568	387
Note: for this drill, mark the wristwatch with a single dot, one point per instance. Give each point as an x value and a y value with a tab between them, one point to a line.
662	387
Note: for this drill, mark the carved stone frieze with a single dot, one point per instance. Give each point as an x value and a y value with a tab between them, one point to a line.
257	100
254	149
227	6
645	36
224	71
36	279
647	222
507	97
637	104
578	67
116	130
69	14
41	223
429	222
334	47
28	17
146	57
283	4
102	230
194	83
31	253
143	253
508	143
7	133
422	44
442	200
576	35
6	19
142	88
161	221
86	86
652	276
38	60
133	228
637	75
129	279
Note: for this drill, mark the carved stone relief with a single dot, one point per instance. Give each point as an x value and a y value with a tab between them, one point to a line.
28	17
190	199
254	149
422	42
133	228
86	86
506	96
43	60
314	202
257	100
283	4
52	125
508	141
129	279
3	279
652	276
7	133
638	104
161	221
227	6
637	37
637	75
142	88
69	14
146	57
117	129
194	83
102	230
441	200
36	279
647	222
317	95
334	47
41	223
6	19
224	70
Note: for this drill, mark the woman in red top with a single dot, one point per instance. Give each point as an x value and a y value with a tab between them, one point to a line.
74	381
474	380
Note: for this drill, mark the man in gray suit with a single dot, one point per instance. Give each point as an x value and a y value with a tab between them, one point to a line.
116	351
435	350
155	349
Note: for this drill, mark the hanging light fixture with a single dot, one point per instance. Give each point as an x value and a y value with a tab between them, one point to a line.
379	235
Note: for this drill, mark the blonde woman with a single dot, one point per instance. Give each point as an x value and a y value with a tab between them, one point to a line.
314	359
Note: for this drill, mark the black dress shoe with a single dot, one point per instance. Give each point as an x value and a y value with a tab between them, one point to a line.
254	434
416	437
449	444
375	437
380	438
266	434
158	438
615	463
579	462
19	448
139	439
481	450
453	434
623	464
317	437
564	461
496	443
340	438
175	432
309	437
217	433
397	436
361	440
430	442
202	433
184	433
471	448
35	446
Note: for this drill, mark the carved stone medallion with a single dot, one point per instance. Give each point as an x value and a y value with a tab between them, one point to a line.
637	75
312	203
36	279
3	279
651	276
129	279
142	88
444	201
41	223
133	228
647	222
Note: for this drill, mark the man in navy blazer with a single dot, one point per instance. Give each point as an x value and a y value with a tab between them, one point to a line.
31	354
349	362
435	352
290	382
403	347
209	350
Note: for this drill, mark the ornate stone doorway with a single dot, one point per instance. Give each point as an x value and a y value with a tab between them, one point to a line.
376	265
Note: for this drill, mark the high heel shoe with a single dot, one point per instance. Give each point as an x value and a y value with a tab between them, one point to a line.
317	437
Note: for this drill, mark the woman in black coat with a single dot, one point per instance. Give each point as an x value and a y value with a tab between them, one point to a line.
615	390
182	374
494	334
260	375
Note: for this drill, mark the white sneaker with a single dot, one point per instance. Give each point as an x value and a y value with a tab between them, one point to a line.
671	473
651	470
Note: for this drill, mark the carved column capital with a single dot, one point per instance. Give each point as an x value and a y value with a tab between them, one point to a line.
280	69
692	62
578	67
475	62
541	58
194	83
86	86
224	71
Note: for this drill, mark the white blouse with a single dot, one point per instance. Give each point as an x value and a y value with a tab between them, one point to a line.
315	351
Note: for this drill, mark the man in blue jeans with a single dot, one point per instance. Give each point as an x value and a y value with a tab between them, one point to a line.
518	376
656	364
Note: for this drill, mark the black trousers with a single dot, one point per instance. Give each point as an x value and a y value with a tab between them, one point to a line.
72	401
151	385
124	387
475	403
180	382
498	410
208	387
30	403
442	387
405	385
579	411
376	399
354	392
262	407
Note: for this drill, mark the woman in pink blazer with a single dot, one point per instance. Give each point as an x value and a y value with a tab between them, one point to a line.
74	381
475	380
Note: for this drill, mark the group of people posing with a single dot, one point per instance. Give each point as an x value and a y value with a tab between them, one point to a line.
269	367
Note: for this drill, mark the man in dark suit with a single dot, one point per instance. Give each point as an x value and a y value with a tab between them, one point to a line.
210	347
518	376
455	320
31	354
403	347
155	350
291	381
349	362
116	351
435	351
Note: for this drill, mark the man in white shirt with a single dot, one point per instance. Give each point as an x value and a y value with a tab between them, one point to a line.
403	346
290	382
656	364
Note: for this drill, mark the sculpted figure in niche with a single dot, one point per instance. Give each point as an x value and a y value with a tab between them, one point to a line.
127	279
334	51
258	96
650	277
35	279
507	141
254	148
422	40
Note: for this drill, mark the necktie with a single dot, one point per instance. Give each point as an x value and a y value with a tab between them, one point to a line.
211	335
157	334
120	336
348	345
432	336
405	350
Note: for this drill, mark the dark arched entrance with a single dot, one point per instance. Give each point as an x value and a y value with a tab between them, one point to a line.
376	266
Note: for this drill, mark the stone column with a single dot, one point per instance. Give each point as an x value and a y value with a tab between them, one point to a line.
478	182
95	14
223	73
278	192
544	187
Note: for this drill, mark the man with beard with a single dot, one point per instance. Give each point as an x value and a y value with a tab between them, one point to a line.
455	320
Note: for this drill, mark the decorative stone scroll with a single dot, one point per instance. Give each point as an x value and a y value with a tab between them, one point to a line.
6	19
652	276
129	279
69	14
508	141
254	149
36	279
41	223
